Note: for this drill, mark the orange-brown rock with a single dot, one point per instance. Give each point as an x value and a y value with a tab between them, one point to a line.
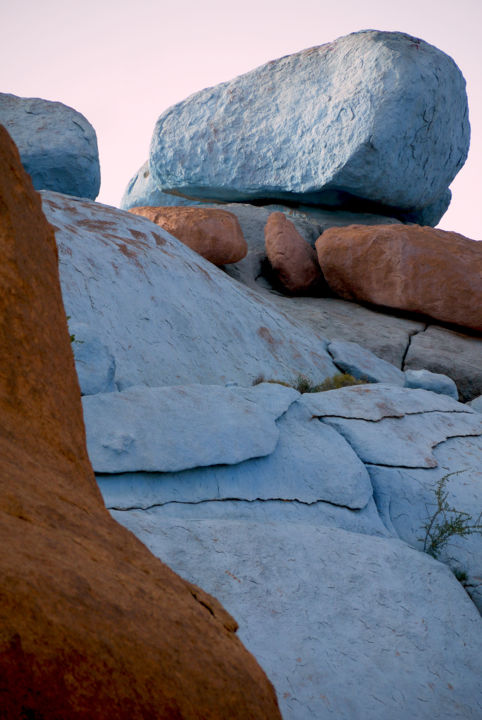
293	260
408	267
92	626
214	234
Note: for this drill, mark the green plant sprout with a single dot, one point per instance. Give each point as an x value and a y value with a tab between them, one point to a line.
447	522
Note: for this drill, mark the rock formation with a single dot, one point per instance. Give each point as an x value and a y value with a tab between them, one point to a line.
57	145
355	122
310	514
91	624
214	234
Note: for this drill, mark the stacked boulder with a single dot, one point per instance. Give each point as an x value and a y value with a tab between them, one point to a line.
354	132
361	123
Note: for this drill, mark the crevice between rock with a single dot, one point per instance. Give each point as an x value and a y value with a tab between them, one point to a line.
231	499
411	335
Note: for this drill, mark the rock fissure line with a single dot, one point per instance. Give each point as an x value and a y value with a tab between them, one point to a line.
231	499
396	417
411	335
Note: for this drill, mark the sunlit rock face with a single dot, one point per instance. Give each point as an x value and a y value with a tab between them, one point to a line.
91	624
376	118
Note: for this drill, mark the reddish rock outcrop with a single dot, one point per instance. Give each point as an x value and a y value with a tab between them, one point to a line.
408	267
214	234
291	257
91	624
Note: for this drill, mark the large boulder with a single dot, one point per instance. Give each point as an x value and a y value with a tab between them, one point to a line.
168	316
91	624
419	269
359	121
57	145
215	234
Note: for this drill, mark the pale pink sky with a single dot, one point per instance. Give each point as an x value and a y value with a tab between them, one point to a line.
121	63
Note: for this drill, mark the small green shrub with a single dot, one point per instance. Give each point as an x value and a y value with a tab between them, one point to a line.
304	385
447	522
338	381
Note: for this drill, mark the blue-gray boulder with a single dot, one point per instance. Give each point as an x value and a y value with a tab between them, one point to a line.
57	145
376	118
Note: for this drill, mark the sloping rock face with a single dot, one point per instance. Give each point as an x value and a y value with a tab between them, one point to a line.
142	191
362	119
362	364
57	145
214	234
304	543
168	316
433	272
91	624
293	259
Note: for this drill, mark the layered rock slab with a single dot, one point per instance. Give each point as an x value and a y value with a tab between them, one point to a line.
364	116
57	144
175	428
91	624
297	459
166	313
412	268
214	234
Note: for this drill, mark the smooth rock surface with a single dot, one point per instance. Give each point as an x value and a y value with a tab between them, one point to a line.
57	145
175	428
91	624
322	120
411	268
94	362
293	260
164	311
214	234
346	624
141	191
435	382
364	365
445	351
